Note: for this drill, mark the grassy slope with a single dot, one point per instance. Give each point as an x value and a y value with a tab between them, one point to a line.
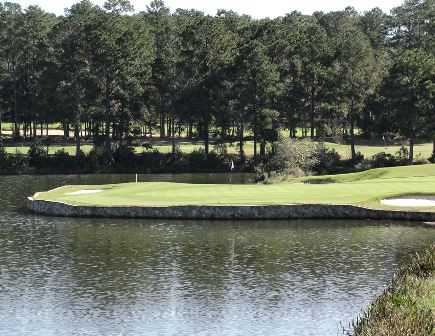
365	189
407	307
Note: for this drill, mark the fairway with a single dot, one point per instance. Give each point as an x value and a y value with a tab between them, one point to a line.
363	189
165	146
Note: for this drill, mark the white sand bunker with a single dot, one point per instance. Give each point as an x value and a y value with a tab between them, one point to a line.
410	201
84	192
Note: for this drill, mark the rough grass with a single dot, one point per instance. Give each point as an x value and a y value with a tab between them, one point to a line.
406	307
365	189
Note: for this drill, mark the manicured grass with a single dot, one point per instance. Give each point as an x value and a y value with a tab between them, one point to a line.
407	306
364	189
164	146
161	146
368	150
375	175
7	126
71	149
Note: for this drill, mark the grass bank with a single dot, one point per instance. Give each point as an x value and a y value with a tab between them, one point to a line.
407	306
362	189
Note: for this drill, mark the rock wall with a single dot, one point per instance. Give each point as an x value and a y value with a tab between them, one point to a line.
296	211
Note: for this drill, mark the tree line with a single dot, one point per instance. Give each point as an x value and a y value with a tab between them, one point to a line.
109	74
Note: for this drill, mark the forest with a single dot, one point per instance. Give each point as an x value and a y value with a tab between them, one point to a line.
109	75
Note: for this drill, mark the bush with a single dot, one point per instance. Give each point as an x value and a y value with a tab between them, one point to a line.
123	154
37	153
13	163
221	150
97	156
328	160
402	156
292	158
197	158
61	161
383	159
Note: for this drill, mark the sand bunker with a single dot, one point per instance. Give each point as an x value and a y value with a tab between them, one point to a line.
83	192
410	201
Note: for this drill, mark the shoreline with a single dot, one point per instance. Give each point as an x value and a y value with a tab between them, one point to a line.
403	308
227	212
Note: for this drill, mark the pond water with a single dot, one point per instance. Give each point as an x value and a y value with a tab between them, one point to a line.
66	276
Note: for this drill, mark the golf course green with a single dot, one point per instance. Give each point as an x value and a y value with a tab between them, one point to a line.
364	189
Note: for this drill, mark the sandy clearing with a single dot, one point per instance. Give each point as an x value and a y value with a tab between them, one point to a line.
83	192
410	201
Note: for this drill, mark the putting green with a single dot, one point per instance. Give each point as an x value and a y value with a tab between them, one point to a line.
363	189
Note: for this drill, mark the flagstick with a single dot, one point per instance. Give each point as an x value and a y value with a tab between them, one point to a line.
231	173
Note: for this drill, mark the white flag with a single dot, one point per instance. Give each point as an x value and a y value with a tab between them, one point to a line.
232	165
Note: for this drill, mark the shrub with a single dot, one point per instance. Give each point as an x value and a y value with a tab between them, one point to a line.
97	156
419	159
98	140
292	158
383	159
123	153
328	160
61	161
402	156
197	159
221	150
37	153
13	163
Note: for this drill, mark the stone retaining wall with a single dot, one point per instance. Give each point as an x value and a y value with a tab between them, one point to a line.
296	211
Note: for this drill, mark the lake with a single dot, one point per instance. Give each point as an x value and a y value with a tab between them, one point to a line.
66	276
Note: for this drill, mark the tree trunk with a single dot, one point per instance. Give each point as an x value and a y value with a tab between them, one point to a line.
77	129
242	152
433	149
262	148
66	130
255	139
1	124
206	138
107	119
172	130
162	120
16	117
190	130
352	133
411	143
312	126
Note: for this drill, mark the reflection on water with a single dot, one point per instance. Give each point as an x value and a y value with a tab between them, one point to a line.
64	276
